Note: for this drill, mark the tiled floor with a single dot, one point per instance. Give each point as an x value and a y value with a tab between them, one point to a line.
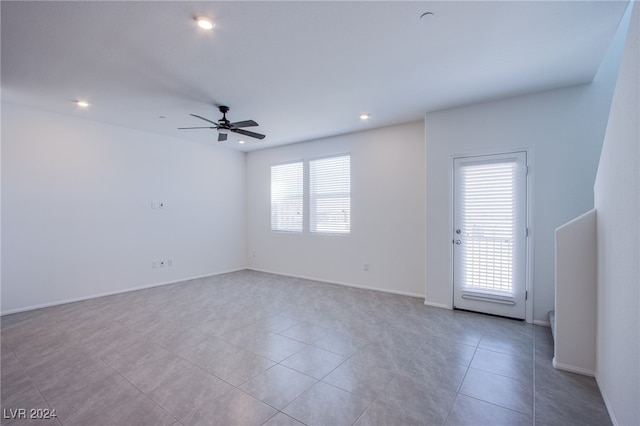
250	348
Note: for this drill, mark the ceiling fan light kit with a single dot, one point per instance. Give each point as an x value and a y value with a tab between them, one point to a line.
224	126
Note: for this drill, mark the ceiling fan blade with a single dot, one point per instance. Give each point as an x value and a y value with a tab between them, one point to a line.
248	133
205	119
246	123
185	128
222	137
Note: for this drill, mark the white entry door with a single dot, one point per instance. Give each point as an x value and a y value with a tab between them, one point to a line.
490	234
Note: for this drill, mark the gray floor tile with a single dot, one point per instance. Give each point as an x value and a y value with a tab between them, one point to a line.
340	343
467	411
209	353
561	406
505	364
282	419
379	414
9	363
277	348
240	367
361	377
314	362
66	380
324	404
382	359
8	321
275	323
18	397
510	343
305	332
444	374
417	399
278	386
390	356
247	336
138	353
100	400
233	408
546	376
444	350
174	337
499	390
177	386
118	406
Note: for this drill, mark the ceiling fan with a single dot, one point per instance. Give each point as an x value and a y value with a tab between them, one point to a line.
224	126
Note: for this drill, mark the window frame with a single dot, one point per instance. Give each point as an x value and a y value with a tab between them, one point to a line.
306	207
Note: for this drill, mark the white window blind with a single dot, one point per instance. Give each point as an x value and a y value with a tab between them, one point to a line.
286	197
491	224
330	195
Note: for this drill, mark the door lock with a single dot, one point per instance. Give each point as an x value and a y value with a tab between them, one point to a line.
458	242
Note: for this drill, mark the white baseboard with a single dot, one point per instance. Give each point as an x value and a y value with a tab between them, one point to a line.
111	293
607	403
438	305
542	323
346	284
572	368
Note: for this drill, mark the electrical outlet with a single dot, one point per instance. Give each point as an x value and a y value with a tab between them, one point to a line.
154	205
162	264
170	262
161	204
154	264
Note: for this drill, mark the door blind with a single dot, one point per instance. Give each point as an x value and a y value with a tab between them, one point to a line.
489	223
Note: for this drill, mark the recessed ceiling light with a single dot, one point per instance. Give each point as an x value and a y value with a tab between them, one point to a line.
241	142
364	116
205	23
82	104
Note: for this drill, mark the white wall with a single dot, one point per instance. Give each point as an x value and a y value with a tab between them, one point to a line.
563	131
576	276
617	200
387	213
76	208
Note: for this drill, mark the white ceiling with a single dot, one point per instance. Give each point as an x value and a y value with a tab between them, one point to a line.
302	70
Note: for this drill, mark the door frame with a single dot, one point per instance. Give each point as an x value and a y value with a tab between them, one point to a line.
530	152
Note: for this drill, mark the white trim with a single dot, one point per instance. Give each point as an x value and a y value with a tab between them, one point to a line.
346	284
111	293
438	305
529	305
541	323
607	404
572	369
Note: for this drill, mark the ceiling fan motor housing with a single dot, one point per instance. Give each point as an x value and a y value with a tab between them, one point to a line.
223	125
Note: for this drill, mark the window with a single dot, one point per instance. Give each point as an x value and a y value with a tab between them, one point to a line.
286	197
330	195
321	186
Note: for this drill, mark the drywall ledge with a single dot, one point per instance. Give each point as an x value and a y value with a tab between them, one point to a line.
576	277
